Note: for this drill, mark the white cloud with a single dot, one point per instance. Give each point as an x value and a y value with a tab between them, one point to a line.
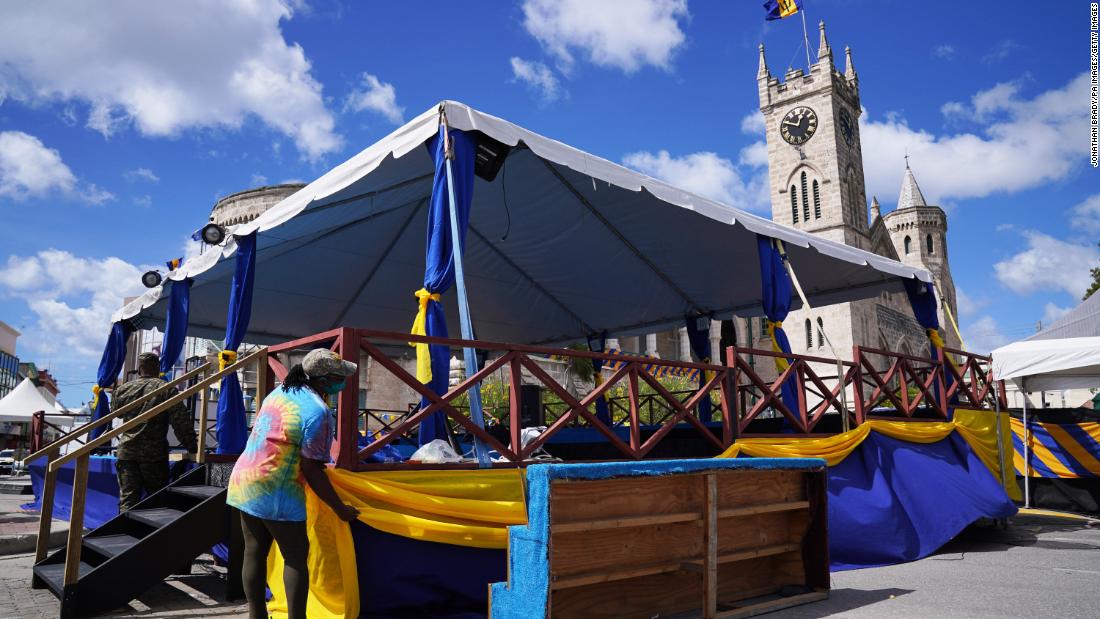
144	174
983	335
538	77
622	34
1048	264
706	174
1022	143
1086	215
968	306
376	96
1052	312
29	169
944	51
1000	51
166	67
145	200
257	180
753	123
72	298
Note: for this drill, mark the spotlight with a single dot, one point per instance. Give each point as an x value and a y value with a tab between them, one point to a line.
151	279
212	234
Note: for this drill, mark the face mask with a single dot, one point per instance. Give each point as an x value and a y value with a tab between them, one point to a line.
334	388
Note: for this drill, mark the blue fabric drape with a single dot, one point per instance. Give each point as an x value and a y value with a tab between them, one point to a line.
231	427
922	298
439	268
175	326
598	343
892	501
698	331
110	364
775	292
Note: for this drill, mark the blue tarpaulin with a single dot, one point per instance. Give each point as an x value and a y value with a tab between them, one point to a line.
892	501
232	427
698	331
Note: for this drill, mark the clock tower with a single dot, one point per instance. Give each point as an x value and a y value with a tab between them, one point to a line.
815	165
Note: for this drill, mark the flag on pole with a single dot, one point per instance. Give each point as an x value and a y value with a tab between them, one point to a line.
174	263
778	9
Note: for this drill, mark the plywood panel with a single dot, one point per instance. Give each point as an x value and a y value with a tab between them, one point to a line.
639	598
753	531
749	487
618	497
583	552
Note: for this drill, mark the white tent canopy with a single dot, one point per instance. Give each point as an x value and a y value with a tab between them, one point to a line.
24	401
1064	355
561	244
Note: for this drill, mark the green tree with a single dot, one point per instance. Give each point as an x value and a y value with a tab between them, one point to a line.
1095	285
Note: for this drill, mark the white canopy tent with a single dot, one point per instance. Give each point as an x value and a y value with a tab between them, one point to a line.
24	401
561	244
1064	355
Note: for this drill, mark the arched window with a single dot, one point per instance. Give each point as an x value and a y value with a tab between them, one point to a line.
928	243
809	335
817	202
908	244
805	199
820	333
794	204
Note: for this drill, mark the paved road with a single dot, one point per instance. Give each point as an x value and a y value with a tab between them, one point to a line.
1039	567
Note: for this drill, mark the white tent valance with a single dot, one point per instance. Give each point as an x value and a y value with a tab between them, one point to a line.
1044	365
561	244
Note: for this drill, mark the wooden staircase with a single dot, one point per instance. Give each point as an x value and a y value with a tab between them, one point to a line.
139	548
163	534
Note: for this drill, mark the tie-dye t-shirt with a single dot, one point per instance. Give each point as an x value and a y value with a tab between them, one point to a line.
267	481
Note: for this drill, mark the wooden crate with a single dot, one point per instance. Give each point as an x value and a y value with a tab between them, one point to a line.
694	538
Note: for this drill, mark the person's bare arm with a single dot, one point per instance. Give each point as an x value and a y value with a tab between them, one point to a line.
314	472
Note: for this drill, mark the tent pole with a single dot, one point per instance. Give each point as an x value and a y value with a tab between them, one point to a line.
1000	439
1027	451
464	308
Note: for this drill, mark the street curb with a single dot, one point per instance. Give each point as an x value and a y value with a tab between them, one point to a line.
26	542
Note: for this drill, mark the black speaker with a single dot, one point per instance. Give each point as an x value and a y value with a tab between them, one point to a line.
530	406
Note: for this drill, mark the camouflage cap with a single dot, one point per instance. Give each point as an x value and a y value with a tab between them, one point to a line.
322	362
148	357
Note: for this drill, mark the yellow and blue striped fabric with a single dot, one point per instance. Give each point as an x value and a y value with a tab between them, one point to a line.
1058	450
657	371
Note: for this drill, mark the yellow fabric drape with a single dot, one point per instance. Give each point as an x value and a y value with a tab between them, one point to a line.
976	427
226	358
423	359
96	389
781	363
465	508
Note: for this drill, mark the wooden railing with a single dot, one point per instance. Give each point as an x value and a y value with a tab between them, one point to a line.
82	455
815	396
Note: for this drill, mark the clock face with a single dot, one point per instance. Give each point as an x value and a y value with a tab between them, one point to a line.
798	125
846	129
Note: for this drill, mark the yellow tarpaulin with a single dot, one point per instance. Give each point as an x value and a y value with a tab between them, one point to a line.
464	508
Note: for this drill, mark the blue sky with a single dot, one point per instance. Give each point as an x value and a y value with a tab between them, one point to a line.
117	136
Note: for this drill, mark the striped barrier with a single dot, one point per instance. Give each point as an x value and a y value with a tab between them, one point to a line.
1069	450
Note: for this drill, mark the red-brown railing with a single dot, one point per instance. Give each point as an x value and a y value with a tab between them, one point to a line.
876	382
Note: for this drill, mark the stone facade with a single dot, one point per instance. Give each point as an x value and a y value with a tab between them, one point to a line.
244	206
817	185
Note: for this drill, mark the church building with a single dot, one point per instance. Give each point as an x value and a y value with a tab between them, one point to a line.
815	170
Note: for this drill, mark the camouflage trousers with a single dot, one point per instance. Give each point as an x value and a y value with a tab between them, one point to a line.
136	477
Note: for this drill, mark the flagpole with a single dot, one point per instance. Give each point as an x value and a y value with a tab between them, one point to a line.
805	35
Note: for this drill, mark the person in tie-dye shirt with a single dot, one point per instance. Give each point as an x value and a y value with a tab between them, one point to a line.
288	448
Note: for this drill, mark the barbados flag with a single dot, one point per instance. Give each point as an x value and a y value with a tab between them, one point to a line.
778	9
174	263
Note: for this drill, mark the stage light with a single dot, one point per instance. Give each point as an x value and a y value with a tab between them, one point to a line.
213	234
151	279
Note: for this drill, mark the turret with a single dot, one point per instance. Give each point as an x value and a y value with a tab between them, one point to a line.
763	73
849	68
876	212
823	50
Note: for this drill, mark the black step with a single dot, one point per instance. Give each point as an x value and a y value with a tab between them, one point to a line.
53	574
157	517
110	545
199	492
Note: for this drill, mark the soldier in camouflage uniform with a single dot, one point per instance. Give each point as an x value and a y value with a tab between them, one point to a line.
143	451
